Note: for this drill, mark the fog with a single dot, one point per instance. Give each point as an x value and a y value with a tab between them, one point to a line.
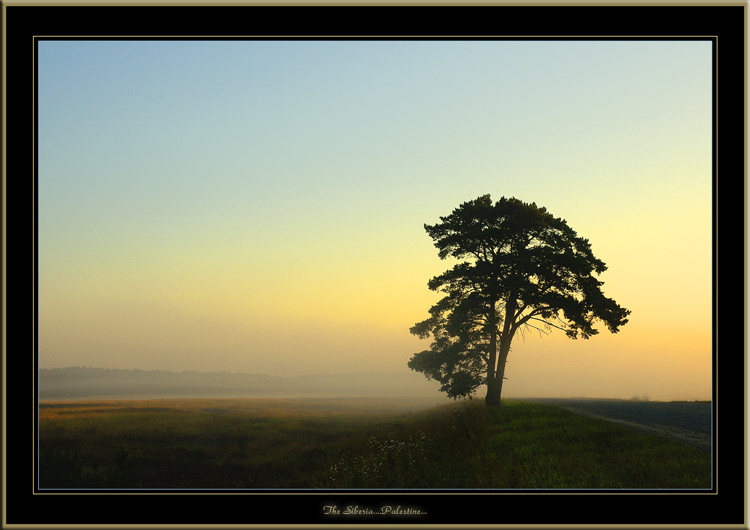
96	383
86	383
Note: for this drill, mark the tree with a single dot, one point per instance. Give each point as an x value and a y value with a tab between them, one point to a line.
521	269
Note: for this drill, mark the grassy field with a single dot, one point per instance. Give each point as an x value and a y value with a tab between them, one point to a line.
373	444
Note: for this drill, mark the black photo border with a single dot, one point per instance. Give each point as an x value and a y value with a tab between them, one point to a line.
24	22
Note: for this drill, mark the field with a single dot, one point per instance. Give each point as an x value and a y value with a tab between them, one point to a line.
348	444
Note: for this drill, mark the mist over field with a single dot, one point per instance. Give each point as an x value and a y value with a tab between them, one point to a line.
93	383
86	383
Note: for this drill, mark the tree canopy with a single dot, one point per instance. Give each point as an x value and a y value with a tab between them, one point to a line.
519	268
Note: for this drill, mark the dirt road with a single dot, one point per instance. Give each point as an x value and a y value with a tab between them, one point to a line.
686	422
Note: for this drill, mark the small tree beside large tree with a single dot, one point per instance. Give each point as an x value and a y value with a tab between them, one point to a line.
520	268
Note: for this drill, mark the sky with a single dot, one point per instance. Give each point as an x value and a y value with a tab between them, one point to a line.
259	206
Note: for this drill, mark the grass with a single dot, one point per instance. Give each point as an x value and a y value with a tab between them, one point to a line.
547	447
349	444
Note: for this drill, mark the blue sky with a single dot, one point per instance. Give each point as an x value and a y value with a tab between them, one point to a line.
259	205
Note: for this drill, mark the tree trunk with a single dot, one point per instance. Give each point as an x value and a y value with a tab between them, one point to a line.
495	380
495	385
494	388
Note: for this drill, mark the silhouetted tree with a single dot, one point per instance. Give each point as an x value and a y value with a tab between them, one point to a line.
520	268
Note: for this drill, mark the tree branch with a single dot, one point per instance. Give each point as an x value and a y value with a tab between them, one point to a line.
548	323
540	330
